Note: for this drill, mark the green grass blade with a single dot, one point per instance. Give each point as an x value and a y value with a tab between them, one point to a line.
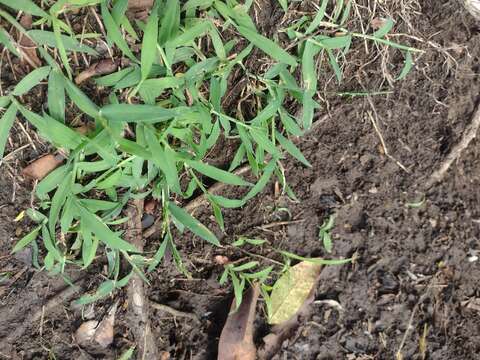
191	34
318	18
42	37
170	21
114	34
105	235
139	113
58	200
27	239
262	140
6	123
164	159
26	6
8	42
149	44
217	174
56	96
82	101
385	29
267	46
263	181
192	224
31	80
407	67
291	149
60	46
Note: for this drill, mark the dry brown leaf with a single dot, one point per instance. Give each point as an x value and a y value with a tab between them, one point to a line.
99	332
378	23
139	4
43	166
236	340
28	49
85	129
103	67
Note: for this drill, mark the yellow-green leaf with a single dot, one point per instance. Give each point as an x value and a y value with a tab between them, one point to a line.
291	290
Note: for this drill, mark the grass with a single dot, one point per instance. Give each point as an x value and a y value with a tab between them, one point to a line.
162	116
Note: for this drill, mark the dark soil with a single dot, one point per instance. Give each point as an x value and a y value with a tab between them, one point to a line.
414	280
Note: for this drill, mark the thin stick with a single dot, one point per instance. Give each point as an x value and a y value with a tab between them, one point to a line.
468	136
138	302
174	312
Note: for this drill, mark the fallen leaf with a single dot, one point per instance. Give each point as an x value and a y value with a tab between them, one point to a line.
85	129
140	4
28	49
150	206
43	166
103	67
100	333
221	260
378	23
292	290
104	333
236	340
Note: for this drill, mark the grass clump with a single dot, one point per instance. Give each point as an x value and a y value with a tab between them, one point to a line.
162	115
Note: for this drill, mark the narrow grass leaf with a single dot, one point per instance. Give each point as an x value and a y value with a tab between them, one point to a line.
6	123
385	29
43	37
216	173
5	101
291	149
6	41
114	33
318	18
268	46
191	34
192	224
170	21
164	159
283	4
56	96
262	140
149	44
26	6
31	80
60	46
407	67
107	236
263	181
27	239
139	113
82	101
58	200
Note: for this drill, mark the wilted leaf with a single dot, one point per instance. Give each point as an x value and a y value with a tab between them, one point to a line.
103	67
236	340
291	290
43	166
99	332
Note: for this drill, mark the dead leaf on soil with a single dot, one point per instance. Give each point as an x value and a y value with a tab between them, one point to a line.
43	166
85	129
378	23
236	340
292	290
139	4
28	49
103	67
99	332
